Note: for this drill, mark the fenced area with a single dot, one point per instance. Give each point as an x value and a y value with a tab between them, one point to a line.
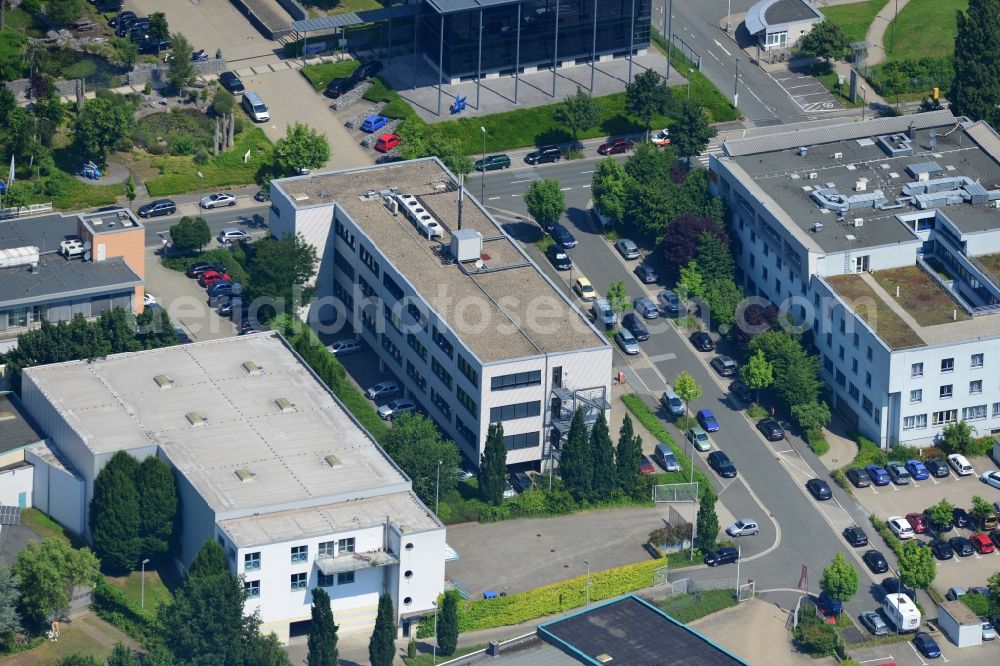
675	492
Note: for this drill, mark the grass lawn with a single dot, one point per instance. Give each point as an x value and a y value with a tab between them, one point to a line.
427	658
342	6
544	243
156	594
73	639
46	528
689	607
925	28
990	262
832	81
321	74
855	18
890	327
180	174
919	295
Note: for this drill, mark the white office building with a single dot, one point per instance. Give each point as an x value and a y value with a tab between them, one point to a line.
268	462
454	308
883	238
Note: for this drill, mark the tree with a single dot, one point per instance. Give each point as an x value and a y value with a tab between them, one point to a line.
265	651
956	437
223	102
608	186
686	388
618	297
916	565
158	29
941	513
681	244
382	646
576	462
577	112
47	572
648	96
130	191
122	655
181	72
628	455
691	131
157	506
981	510
322	632
10	618
78	660
190	234
757	373
492	474
993	584
417	446
811	416
280	270
603	454
796	372
447	624
101	125
418	139
210	560
723	297
545	201
826	40
114	514
714	258
690	284
63	12
839	579
707	528
301	148
651	165
975	89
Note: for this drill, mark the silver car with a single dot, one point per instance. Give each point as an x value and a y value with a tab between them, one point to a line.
395	408
345	347
745	527
874	623
382	390
627	248
232	235
627	341
218	200
989	633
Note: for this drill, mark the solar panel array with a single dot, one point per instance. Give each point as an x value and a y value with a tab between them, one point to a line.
10	515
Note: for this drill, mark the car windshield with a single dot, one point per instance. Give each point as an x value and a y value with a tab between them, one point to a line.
740	524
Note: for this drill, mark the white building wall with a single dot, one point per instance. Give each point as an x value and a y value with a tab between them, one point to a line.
421	554
57	493
15	486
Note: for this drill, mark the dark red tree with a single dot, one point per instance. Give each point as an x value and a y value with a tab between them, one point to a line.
681	240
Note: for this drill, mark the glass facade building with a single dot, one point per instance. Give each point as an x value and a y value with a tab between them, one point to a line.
522	33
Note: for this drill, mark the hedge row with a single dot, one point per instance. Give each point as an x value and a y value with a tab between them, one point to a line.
115	607
549	600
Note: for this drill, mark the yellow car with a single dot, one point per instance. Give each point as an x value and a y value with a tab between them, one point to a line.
584	289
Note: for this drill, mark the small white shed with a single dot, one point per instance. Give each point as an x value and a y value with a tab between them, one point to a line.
960	624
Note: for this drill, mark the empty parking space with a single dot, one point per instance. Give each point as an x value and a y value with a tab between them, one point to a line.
904	654
811	95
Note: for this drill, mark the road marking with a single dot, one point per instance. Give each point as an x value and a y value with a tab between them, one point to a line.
913	647
868	661
722	47
565	188
714	56
587	185
492	198
514	182
786	451
662	357
587	171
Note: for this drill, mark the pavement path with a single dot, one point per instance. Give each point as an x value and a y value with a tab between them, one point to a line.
876	31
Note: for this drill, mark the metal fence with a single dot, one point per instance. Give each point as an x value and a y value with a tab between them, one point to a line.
25	211
675	492
156	75
687	51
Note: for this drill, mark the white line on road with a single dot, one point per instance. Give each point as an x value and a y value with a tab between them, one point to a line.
565	188
722	47
492	198
527	180
868	661
591	171
786	451
587	185
662	357
714	56
515	195
913	647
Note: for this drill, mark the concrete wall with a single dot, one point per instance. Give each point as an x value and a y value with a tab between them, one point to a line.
58	493
16	484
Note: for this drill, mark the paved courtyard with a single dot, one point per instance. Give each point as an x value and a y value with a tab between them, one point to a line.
811	95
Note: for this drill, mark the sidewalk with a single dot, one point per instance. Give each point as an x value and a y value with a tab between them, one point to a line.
876	31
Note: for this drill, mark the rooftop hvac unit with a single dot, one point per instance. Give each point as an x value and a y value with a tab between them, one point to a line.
813	175
816	227
803	151
18	256
859	222
466	245
838	156
861	185
392	205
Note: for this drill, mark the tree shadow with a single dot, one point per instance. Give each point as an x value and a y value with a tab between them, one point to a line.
553	136
523	231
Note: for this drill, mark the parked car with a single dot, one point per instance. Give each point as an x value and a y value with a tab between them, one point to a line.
725	366
603	314
858	477
645	466
663	455
645	306
197	269
900	527
393	409
982	544
493	163
116	20
584	289
989	522
933	528
209	277
672	402
856	536
669	302
135	29
232	235
771	430
382	390
262	195
961	546
562	236
995	538
917	470
521	481
699	438
876	561
508	491
740	390
878	475
722	556
635	326
225	288
387	142
960	464
339	86
182	336
627	248
991	479
626	341
874	623
148	299
543	155
707	420
980	590
158	207
345	347
820	489
989	633
232	83
917	521
616	146
702	341
960	518
722	465
646	274
560	260
927	645
745	527
937	468
897	472
373	124
661	138
941	550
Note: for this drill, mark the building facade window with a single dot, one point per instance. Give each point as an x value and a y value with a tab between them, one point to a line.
415	375
393	350
368	320
368	259
441	403
299	581
324	580
345	233
466	432
917	370
251	561
916	395
344	295
827	363
974	413
516	380
392	286
417	346
868	379
914	422
945	416
466	369
853	391
390	315
524	440
976	361
947	365
975	386
345	546
300	554
857	340
441	373
854	365
345	578
866	404
841	379
443	343
366	289
466	401
341	262
869	354
996	409
251	588
945	391
326	549
518	410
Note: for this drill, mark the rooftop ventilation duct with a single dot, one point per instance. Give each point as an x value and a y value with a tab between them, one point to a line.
332	461
831	199
895	145
244	475
466	245
251	368
195	419
19	256
163	382
284	406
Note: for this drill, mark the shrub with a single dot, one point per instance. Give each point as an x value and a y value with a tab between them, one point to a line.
815	637
886	534
219	255
756	411
202	156
114	606
817	442
156	149
182	145
977	603
980	446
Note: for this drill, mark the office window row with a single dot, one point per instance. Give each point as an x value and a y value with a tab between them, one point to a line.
392	287
524	440
516	380
466	401
368	259
345	233
947	365
466	369
341	262
393	350
441	373
518	410
417	346
441	402
416	376
443	343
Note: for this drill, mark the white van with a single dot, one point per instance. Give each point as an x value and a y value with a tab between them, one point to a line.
603	314
255	107
901	612
960	464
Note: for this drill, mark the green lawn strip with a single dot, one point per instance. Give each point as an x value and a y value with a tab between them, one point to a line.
889	325
702	90
217	254
72	641
180	174
396	106
155	594
919	295
321	74
925	28
855	18
689	607
45	527
428	659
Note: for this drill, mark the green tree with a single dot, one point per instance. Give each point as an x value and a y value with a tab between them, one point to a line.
416	445
796	372
545	201
956	437
158	28
825	40
10	618
578	112
603	454
917	568
301	148
975	88
839	579
190	234
103	124
418	139
691	131
714	258
447	625
78	660
181	72
210	560
628	455
492	475
812	416
608	186
124	51
64	12
685	237
686	388
707	527
993	584
130	191
723	297
648	96
281	269
47	571
122	655
651	165
981	510
322	632
265	651
157	506
757	373
114	514
382	646
223	103
576	462
618	297
940	513
690	282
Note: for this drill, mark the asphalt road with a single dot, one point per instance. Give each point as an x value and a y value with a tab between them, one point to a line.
248	214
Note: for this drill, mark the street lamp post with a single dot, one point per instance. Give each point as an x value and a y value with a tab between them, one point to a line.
482	189
437	487
587	562
864	101
142	585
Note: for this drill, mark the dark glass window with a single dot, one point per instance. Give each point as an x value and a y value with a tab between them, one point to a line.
516	411
516	380
524	440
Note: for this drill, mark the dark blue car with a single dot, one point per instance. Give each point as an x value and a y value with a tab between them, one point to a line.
879	475
561	235
917	470
707	420
927	646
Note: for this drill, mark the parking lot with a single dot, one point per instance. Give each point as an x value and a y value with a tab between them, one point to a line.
905	654
811	95
185	302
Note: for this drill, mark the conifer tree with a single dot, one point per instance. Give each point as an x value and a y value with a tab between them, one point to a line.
114	514
382	646
627	458
493	466
603	455
447	625
322	632
576	461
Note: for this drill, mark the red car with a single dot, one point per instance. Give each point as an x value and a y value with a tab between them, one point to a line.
387	142
982	544
208	278
645	466
616	146
917	521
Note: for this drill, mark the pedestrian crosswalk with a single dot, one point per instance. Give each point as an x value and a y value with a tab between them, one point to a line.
714	148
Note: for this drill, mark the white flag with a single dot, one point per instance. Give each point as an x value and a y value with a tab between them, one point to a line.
10	174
